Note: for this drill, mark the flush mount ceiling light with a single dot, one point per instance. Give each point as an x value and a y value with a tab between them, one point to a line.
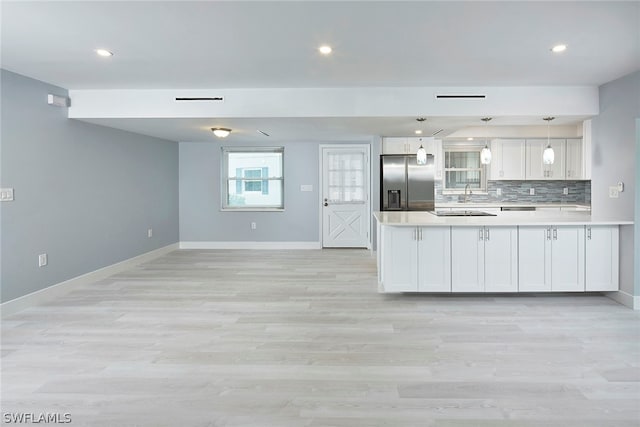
418	132
221	132
485	154
559	48
103	52
548	156
325	49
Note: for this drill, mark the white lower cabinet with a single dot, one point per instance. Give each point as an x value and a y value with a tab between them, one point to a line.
571	258
551	258
484	259
601	255
416	259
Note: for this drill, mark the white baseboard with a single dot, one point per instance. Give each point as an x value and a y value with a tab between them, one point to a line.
47	294
250	245
625	299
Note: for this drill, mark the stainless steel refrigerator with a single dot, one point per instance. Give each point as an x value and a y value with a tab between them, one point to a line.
405	185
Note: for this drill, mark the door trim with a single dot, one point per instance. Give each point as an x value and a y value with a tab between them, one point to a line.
367	147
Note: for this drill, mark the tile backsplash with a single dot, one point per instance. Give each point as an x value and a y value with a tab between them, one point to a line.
518	192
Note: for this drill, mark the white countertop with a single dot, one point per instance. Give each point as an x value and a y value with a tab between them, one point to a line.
501	219
474	205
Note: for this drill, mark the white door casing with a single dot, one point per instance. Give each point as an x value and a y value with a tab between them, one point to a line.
345	196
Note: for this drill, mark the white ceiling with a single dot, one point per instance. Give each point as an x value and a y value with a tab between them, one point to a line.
242	44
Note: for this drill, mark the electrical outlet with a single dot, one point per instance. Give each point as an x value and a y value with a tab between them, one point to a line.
6	194
532	191
613	192
565	191
498	191
42	260
150	232
253	225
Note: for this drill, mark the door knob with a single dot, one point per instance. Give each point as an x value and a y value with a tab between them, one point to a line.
326	204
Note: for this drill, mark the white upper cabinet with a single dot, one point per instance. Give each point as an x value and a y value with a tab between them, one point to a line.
395	145
508	159
536	169
574	159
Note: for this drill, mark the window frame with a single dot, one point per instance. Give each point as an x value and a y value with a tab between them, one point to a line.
483	169
225	179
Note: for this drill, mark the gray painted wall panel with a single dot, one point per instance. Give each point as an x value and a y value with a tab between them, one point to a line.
84	194
615	159
200	215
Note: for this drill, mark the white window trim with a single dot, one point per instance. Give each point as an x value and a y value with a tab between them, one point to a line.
224	179
483	169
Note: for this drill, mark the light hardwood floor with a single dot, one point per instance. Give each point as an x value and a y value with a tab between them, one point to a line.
302	338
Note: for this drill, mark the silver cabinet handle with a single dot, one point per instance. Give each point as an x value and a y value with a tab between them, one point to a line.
420	230
415	234
481	234
549	233
487	236
588	233
555	234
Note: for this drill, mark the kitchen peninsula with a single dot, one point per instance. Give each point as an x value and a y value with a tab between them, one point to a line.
537	251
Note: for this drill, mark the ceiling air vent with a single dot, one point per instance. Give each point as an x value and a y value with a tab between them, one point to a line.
460	96
210	99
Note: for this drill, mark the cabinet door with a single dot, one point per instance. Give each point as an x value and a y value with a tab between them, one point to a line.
556	170
467	259
501	259
399	259
601	255
508	162
434	259
393	145
535	169
574	159
438	158
534	259
567	264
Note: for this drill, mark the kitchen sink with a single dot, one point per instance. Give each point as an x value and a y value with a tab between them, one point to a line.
462	213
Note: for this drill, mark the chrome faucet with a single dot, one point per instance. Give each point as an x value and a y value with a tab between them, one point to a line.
466	196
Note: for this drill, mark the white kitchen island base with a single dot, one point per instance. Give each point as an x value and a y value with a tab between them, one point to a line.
510	252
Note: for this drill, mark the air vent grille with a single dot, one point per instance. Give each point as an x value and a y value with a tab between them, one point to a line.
212	98
460	96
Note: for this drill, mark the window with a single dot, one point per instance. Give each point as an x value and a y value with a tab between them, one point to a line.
462	167
252	178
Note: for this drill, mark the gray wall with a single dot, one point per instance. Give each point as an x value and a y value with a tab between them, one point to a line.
614	159
636	254
200	215
84	194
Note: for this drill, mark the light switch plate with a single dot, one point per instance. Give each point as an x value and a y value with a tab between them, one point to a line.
621	186
6	194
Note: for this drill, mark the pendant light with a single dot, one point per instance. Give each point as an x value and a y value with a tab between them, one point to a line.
485	154
421	155
548	156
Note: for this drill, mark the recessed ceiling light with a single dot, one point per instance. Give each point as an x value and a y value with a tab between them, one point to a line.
325	49
418	132
559	48
221	132
470	139
104	52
